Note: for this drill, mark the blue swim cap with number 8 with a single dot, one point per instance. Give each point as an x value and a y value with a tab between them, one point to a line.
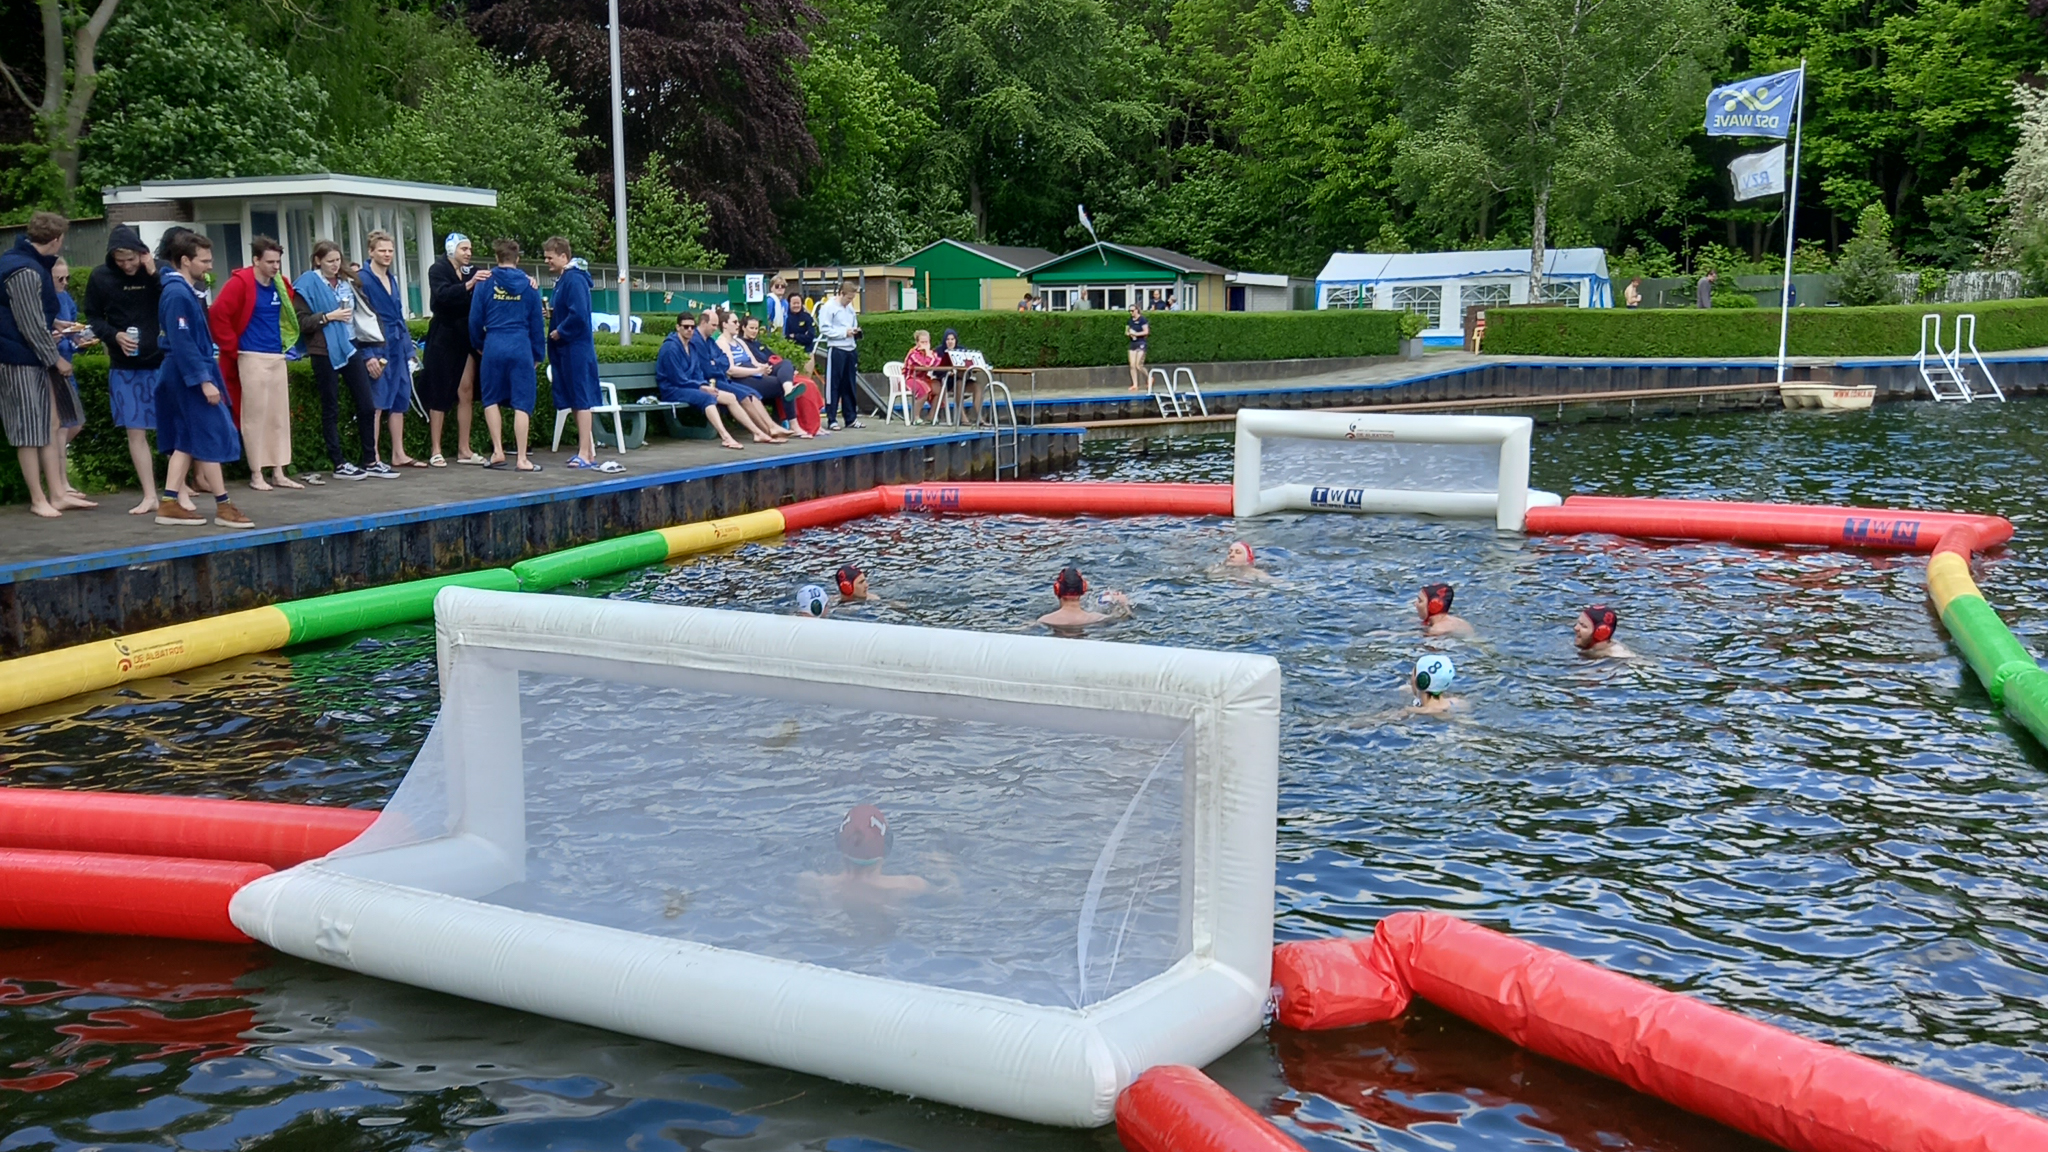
1433	674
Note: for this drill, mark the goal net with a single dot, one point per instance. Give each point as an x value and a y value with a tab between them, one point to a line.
1464	466
1004	872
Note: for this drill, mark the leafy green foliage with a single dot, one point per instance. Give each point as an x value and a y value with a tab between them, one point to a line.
185	95
491	125
1868	272
1092	339
664	229
1892	330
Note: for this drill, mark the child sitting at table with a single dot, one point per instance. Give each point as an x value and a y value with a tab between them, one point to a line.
916	372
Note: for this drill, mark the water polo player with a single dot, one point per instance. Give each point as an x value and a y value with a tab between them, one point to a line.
864	840
1068	588
812	601
853	583
1433	604
1593	633
1431	682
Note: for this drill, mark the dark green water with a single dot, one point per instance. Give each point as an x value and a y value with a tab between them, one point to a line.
1797	804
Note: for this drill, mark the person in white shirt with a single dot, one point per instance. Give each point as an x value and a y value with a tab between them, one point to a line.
839	328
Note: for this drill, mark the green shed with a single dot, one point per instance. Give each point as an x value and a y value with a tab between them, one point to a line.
1113	276
958	274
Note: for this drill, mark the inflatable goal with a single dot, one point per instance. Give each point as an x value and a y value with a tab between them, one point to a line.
1472	466
1004	872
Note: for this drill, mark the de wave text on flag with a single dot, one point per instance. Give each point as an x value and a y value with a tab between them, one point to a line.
1759	174
1758	106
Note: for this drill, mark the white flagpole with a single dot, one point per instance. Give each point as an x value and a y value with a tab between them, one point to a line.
1791	220
619	185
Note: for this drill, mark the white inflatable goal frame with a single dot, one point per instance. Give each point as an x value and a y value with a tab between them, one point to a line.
365	909
1507	504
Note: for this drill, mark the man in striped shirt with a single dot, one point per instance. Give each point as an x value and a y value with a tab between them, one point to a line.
35	397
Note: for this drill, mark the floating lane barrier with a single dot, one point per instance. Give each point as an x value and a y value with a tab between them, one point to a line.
1175	1108
2003	665
1888	529
165	866
1053	498
1798	1093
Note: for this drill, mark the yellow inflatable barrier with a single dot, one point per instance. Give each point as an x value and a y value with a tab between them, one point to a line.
1948	576
48	676
683	539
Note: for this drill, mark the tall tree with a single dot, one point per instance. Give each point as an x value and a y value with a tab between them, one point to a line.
710	92
1575	109
70	59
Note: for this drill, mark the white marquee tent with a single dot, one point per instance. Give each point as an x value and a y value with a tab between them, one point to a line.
1441	285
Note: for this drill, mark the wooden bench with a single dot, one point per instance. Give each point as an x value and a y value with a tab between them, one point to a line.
633	380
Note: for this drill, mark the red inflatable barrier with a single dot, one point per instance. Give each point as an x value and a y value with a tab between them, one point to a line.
277	835
834	509
1046	498
1175	1108
1798	1093
121	895
1833	527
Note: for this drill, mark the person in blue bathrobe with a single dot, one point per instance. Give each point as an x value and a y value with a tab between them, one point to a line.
193	423
679	380
390	366
571	352
505	324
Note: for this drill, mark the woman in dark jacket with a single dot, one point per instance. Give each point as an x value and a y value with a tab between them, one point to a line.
801	327
448	370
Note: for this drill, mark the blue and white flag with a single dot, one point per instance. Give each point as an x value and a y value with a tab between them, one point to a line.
1759	174
1758	106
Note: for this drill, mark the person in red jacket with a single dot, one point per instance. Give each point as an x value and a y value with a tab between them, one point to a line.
253	323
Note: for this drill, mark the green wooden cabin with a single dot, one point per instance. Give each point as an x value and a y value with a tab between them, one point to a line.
957	274
1111	276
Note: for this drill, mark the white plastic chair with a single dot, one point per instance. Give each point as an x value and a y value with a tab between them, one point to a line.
899	389
610	407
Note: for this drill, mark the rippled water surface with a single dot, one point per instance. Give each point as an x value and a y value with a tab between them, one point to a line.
1797	803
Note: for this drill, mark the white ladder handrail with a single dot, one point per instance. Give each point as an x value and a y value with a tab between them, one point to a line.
1193	388
1001	421
1159	386
1968	340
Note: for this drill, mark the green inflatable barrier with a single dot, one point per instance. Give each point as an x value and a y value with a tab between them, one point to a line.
591	560
325	617
1994	653
2026	701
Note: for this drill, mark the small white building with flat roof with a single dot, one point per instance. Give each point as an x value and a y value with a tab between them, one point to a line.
1439	286
297	211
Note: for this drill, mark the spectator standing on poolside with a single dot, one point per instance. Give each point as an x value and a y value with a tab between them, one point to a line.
801	328
1139	330
1703	295
326	301
449	369
71	336
505	322
120	303
253	322
839	327
572	350
778	304
389	365
35	396
193	422
1632	296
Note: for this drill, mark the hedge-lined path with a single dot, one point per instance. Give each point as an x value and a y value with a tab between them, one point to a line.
109	527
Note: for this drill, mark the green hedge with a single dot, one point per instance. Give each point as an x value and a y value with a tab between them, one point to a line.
1889	330
1093	339
99	456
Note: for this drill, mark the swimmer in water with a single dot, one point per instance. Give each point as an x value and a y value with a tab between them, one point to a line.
1593	632
1239	563
853	584
1429	684
1069	587
1433	604
811	601
863	845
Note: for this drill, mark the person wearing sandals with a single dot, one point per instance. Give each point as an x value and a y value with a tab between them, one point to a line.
505	322
389	364
572	350
753	367
448	370
253	322
679	379
193	423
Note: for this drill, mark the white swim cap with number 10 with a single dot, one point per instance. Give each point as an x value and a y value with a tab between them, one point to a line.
1433	674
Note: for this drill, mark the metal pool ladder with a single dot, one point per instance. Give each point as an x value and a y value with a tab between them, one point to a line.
1948	377
1002	420
1166	391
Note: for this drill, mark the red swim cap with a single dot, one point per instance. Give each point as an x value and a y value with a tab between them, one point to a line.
1069	583
864	835
847	574
1439	597
1603	620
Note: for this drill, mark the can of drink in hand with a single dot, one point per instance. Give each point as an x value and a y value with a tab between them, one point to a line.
134	334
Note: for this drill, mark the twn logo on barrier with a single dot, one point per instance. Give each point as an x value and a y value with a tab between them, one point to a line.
1880	533
914	500
1341	498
